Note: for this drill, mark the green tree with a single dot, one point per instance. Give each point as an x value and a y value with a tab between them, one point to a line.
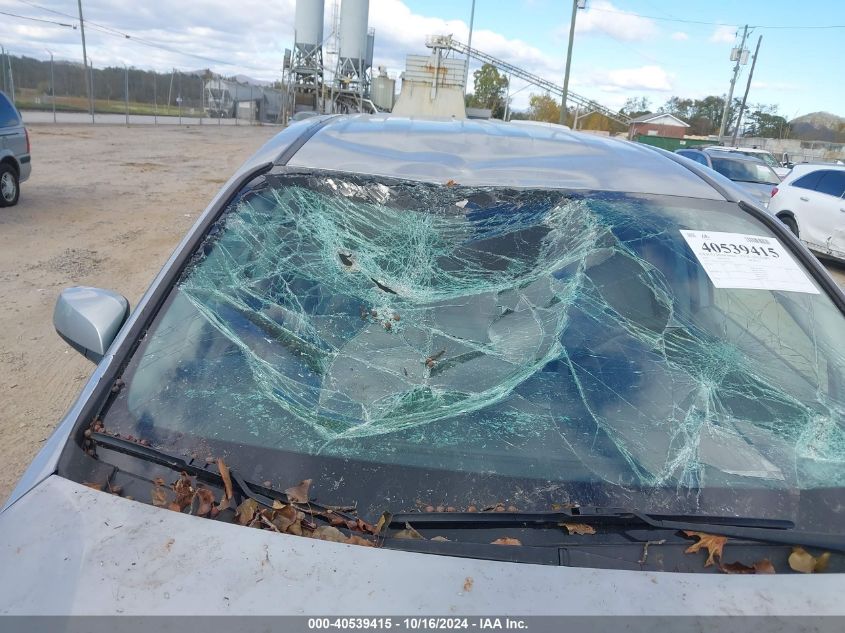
636	106
543	108
490	90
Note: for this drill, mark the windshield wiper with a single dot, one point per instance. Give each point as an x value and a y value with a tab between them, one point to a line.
257	492
756	529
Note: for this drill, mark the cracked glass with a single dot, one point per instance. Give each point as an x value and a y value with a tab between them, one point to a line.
565	345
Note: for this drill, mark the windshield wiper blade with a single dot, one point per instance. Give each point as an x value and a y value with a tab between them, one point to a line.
258	492
756	529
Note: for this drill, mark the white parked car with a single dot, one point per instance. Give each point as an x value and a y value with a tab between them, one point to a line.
811	202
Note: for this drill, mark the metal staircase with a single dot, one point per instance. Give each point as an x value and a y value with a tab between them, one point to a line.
446	42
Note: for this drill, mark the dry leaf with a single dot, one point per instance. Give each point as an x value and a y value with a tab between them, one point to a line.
468	582
299	493
184	489
451	183
246	511
227	477
506	541
329	533
285	517
578	528
711	542
92	485
354	539
440	539
801	560
206	501
760	567
408	533
159	494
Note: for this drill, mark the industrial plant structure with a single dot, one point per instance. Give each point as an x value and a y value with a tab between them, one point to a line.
226	98
308	66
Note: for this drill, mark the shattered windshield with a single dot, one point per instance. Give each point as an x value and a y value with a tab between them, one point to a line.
402	341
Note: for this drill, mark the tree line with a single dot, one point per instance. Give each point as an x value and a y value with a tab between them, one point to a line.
703	115
69	80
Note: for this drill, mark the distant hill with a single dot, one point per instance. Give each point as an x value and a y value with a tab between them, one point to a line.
819	126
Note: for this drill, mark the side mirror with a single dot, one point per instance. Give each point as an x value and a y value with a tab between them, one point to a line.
89	319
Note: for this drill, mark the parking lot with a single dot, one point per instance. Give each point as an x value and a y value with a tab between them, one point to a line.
105	207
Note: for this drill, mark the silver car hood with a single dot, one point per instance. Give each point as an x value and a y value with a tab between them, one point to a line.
74	550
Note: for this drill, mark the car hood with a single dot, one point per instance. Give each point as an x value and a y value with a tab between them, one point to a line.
107	554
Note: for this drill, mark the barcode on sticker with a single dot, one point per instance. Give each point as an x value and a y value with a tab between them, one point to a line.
756	240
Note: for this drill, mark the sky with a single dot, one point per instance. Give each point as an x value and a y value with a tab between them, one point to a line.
623	48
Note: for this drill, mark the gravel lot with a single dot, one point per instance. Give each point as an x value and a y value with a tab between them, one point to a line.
105	207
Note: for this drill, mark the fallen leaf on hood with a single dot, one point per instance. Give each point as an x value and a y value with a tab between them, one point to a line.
578	528
226	476
299	493
184	489
245	512
760	567
440	539
468	582
712	543
354	539
285	517
159	494
408	533
92	485
206	501
329	533
506	540
801	560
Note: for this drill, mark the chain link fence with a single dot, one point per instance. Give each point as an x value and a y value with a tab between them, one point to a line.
56	90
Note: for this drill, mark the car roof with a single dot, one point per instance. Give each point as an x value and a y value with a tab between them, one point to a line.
753	150
494	153
802	169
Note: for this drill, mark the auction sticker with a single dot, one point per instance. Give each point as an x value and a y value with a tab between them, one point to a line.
754	262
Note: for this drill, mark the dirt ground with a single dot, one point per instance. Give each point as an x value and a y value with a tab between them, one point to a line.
105	207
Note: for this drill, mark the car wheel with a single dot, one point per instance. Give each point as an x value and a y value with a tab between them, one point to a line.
9	186
790	224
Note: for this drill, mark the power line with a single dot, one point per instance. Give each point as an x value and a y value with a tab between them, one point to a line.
26	17
108	30
757	26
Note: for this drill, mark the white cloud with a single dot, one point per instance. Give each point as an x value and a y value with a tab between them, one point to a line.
775	85
604	17
648	78
724	35
680	36
226	31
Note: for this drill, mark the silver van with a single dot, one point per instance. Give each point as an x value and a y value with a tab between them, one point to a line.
14	153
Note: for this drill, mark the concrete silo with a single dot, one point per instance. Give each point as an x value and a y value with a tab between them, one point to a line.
352	78
353	35
306	75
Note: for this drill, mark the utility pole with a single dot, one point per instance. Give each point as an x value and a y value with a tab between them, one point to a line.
126	93
733	81
576	4
52	86
85	62
747	88
469	45
3	66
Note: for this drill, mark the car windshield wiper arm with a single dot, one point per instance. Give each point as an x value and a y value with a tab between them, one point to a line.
757	529
258	492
